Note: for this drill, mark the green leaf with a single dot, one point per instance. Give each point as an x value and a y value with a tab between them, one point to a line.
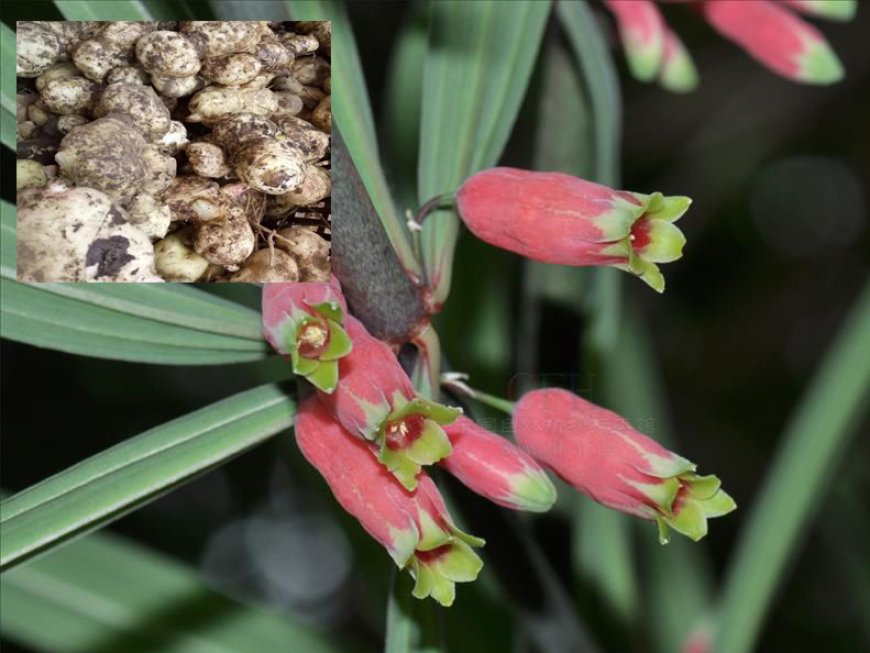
110	484
602	83
7	86
478	66
403	98
103	10
250	10
796	483
7	68
411	623
353	114
104	593
176	9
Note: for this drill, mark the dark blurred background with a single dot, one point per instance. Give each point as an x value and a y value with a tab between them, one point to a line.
778	249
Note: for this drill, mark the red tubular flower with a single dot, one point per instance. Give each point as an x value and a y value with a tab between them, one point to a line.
776	38
600	454
377	401
642	31
303	321
414	527
496	469
556	218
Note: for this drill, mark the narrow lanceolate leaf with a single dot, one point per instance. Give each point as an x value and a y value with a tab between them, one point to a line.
802	472
7	86
137	471
105	593
353	114
7	129
103	10
477	70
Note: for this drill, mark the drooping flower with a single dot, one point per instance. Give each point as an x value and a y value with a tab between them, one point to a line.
642	32
599	453
415	527
496	469
766	29
377	401
303	321
777	38
556	218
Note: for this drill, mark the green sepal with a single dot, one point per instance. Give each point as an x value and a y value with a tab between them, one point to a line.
669	209
431	446
662	494
615	223
690	520
666	242
303	366
664	531
648	272
437	577
533	491
329	310
439	413
702	487
719	504
340	344
325	377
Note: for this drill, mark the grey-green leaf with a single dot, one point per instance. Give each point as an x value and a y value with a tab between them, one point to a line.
136	471
104	593
479	61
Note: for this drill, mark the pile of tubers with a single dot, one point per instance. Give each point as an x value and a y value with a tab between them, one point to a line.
173	151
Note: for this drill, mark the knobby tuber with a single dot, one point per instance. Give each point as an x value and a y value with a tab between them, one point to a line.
177	151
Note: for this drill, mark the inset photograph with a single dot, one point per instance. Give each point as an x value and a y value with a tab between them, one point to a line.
192	151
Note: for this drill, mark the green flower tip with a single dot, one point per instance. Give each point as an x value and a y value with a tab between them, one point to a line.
820	65
644	59
533	491
317	345
411	437
833	9
679	75
698	499
443	558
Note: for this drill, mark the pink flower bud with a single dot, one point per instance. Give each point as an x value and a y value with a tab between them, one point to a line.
556	218
414	527
303	321
776	38
376	400
495	468
642	31
600	454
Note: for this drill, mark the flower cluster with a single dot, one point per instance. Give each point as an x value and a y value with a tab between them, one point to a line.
556	218
767	30
371	436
